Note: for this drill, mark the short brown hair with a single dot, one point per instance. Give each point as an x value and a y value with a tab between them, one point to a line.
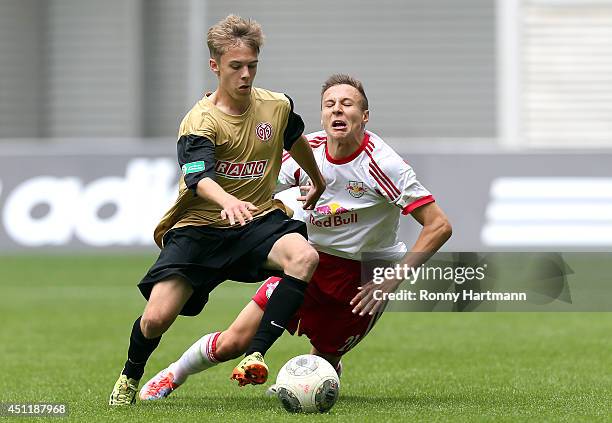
343	79
232	30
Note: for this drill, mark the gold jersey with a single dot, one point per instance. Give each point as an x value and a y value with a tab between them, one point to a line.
248	151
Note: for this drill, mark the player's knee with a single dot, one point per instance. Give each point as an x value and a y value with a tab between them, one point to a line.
304	263
154	326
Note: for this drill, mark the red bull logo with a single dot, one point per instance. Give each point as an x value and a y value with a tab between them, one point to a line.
333	221
331	209
331	215
356	189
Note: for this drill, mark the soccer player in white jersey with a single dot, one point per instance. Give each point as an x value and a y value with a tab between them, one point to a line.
369	187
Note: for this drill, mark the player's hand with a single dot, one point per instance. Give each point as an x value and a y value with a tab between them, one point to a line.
310	195
364	302
235	209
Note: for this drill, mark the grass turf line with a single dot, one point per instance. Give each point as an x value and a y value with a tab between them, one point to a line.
66	322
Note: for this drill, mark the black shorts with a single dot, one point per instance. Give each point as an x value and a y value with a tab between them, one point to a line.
206	256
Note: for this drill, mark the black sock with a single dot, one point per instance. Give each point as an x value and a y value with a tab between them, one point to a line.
282	306
139	352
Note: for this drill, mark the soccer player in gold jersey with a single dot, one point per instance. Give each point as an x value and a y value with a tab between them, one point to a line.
224	223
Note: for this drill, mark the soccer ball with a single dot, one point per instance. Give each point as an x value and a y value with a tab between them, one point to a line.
307	384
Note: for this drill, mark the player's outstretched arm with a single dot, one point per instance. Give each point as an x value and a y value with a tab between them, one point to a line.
302	154
232	208
435	232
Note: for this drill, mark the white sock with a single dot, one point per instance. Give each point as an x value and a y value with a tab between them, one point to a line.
199	357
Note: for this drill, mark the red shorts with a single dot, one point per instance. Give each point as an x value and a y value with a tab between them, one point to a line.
326	315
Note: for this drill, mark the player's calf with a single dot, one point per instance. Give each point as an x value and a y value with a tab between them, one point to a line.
200	356
230	346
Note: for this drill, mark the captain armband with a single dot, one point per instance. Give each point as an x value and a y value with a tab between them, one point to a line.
196	157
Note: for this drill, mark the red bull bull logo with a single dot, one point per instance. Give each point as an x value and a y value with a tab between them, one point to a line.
331	215
356	189
331	209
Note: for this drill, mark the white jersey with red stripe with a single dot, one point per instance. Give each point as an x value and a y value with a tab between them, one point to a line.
366	193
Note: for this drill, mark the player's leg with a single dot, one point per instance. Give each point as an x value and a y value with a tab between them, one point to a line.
166	300
298	260
330	324
235	340
208	351
212	348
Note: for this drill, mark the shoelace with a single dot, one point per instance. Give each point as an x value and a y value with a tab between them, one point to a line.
124	390
156	386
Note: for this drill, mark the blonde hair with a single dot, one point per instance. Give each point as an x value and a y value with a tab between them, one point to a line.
232	30
343	79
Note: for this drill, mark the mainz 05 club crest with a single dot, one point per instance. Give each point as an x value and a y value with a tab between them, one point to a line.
264	131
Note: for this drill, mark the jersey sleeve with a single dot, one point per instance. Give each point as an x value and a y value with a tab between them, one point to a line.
199	124
294	128
196	157
397	182
290	175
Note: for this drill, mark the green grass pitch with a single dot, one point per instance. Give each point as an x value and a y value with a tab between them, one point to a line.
66	322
